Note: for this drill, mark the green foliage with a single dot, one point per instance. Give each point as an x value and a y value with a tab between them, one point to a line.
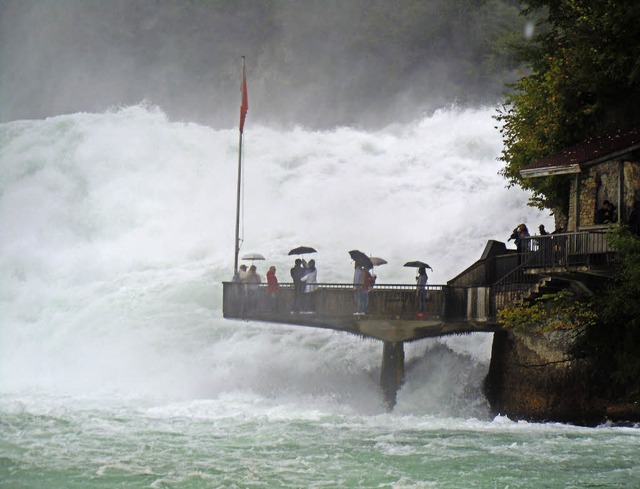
584	82
612	346
549	312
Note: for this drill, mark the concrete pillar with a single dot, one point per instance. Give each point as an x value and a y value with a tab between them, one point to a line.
392	372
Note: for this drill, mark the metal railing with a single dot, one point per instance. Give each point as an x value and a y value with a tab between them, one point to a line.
583	248
513	287
386	301
564	251
335	299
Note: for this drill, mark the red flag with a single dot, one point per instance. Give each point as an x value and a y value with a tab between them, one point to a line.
244	106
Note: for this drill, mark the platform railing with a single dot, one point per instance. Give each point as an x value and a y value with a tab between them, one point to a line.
583	248
335	299
386	301
565	251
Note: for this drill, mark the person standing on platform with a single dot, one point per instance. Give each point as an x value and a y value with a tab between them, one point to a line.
252	281
358	288
421	290
369	280
544	246
273	288
240	274
297	272
310	279
518	235
240	292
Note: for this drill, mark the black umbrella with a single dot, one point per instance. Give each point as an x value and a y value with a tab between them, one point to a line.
417	264
301	250
361	259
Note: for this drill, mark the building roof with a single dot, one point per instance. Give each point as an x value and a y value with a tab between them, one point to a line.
591	151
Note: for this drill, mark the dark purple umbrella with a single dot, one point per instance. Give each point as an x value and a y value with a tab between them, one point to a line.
361	259
302	250
417	264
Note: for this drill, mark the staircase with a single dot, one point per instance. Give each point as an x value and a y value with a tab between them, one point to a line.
546	285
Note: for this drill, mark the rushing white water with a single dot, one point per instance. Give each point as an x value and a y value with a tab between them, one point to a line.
118	229
116	366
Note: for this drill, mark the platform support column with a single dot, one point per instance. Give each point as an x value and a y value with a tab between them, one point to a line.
392	372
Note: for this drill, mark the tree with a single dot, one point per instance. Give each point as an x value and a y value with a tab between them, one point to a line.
584	81
612	344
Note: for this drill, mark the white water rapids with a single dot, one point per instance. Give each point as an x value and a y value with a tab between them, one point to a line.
117	231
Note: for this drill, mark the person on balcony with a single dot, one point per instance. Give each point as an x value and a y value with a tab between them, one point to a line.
544	246
360	294
606	214
273	288
310	280
252	281
421	290
518	235
239	291
297	272
240	274
523	232
369	281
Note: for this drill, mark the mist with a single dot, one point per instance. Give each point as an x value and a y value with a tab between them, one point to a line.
317	63
118	231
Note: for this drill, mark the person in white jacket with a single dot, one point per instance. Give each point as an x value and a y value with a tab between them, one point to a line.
311	285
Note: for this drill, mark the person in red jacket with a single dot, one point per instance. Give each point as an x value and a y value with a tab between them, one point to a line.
273	288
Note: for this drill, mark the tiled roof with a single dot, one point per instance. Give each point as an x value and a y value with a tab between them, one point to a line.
590	150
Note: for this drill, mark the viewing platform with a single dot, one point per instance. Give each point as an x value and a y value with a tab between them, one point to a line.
392	312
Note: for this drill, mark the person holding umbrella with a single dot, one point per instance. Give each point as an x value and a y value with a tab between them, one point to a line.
421	290
358	288
297	272
361	281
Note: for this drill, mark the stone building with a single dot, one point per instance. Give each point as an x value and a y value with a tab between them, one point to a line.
602	169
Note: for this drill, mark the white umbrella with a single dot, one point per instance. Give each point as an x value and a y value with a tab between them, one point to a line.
376	260
253	256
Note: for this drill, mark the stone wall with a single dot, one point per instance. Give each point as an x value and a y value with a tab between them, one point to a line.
532	377
631	186
599	183
571	219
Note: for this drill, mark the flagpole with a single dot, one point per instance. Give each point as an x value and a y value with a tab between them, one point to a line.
244	106
237	244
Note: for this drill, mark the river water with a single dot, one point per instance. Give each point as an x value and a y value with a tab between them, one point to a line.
118	370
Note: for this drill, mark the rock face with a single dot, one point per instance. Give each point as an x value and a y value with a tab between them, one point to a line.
531	377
